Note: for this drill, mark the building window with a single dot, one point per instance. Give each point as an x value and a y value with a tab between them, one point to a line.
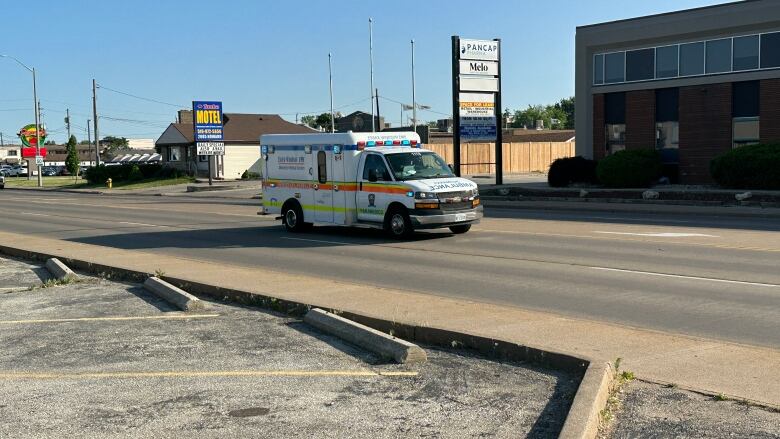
691	59
746	98
667	62
11	153
667	126
615	68
203	158
667	135
615	118
322	167
718	56
770	50
746	51
598	69
174	153
640	65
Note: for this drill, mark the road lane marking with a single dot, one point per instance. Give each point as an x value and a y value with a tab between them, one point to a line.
141	224
109	319
10	375
660	234
322	241
679	276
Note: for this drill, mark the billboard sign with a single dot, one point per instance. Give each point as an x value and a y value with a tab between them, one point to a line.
482	68
211	148
28	135
481	50
207	121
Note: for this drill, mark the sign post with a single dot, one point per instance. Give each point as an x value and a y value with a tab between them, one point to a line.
476	97
209	130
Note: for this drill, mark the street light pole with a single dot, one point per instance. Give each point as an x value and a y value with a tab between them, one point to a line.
371	60
330	79
37	119
414	98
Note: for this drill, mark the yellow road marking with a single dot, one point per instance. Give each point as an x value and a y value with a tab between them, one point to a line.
201	374
99	319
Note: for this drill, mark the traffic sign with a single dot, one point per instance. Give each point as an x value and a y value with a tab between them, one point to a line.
39	160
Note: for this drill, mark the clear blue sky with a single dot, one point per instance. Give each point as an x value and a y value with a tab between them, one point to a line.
271	57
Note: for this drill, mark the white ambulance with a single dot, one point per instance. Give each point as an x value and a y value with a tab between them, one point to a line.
379	180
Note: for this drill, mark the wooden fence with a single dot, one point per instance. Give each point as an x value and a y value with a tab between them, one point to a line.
519	158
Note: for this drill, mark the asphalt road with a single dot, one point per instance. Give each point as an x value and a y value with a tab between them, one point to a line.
712	276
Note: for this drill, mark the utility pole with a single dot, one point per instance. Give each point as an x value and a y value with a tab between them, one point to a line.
67	121
330	76
414	98
37	131
89	137
95	121
371	60
1	139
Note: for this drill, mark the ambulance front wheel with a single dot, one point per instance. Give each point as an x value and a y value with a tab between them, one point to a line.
398	224
292	217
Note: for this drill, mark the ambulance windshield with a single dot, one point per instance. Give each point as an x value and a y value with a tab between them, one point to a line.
418	166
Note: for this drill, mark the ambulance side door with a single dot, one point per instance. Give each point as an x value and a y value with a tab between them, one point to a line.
372	195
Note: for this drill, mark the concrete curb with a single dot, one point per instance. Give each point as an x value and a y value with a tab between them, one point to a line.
173	295
60	270
367	338
588	400
585	412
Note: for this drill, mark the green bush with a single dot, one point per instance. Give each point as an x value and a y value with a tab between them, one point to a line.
249	175
135	174
568	170
630	169
748	167
117	173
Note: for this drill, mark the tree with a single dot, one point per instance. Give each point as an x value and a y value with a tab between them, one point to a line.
561	112
567	106
113	144
72	160
309	120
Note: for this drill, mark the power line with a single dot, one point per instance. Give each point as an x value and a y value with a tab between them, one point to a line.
103	87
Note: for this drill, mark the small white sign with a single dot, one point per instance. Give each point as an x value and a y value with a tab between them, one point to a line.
483	50
477	104
477	83
485	68
39	160
211	148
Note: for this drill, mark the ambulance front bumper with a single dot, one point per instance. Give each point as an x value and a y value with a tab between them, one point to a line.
437	220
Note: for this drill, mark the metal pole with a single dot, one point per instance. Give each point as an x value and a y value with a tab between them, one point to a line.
371	60
499	130
456	104
95	121
414	99
1	140
67	121
37	131
330	78
377	106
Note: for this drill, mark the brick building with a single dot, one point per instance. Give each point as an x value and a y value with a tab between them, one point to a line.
692	84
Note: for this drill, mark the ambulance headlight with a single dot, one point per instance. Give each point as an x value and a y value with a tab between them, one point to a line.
475	192
426	196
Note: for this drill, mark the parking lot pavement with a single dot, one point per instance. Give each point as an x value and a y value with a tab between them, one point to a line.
106	359
16	275
654	411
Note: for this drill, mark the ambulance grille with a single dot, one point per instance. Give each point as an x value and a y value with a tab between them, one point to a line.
460	194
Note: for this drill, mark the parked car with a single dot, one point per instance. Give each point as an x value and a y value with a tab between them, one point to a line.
2	180
48	172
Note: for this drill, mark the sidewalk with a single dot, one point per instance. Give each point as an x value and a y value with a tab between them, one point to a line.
251	189
735	370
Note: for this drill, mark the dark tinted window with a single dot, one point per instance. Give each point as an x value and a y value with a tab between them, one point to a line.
377	163
667	62
598	69
640	64
667	107
746	98
322	167
719	56
691	59
770	50
614	67
746	53
615	108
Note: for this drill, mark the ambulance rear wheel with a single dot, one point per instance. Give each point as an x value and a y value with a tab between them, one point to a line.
398	224
460	229
292	217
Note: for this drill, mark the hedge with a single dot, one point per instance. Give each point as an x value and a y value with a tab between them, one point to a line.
99	174
630	168
568	170
748	167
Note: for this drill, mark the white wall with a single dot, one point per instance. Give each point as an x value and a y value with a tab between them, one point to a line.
239	158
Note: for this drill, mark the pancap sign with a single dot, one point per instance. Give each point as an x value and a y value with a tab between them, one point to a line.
481	50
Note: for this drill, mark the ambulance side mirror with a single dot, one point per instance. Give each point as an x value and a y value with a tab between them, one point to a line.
372	176
452	168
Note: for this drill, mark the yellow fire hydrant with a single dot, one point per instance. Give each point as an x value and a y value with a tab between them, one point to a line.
109	182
